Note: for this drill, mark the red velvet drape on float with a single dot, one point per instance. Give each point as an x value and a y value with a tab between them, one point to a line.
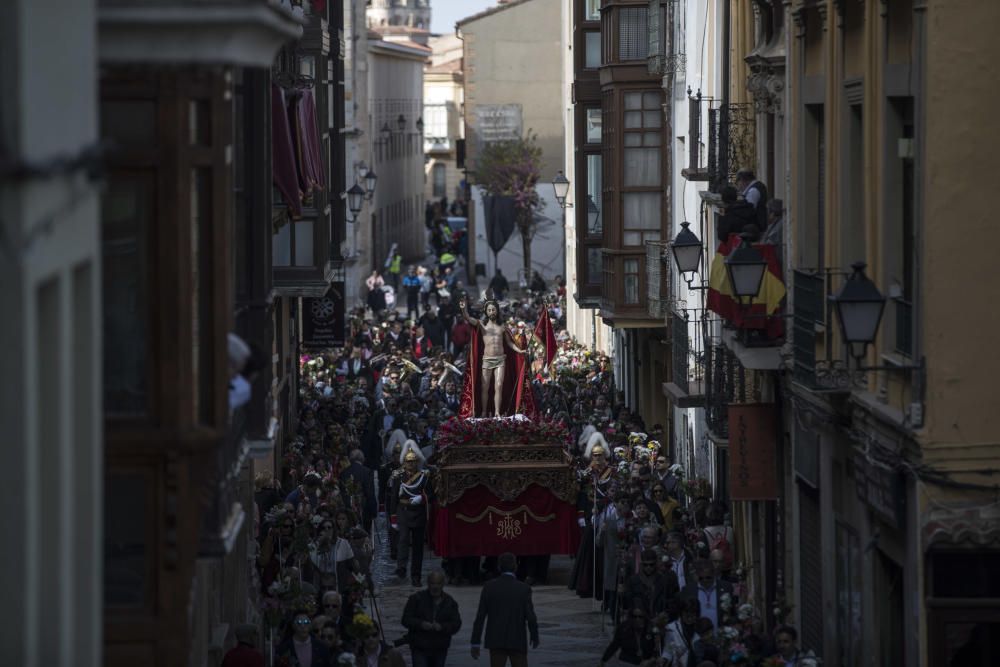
480	524
517	396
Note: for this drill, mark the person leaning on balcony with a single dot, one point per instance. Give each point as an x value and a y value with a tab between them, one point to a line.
754	193
736	217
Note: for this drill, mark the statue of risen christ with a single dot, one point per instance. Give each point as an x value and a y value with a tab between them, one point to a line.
495	335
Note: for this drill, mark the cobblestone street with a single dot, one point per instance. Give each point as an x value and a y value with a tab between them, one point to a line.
569	627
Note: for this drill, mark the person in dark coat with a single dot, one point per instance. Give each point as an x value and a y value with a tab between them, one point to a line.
505	607
648	589
362	477
303	648
737	215
632	641
708	590
754	194
431	616
499	285
244	654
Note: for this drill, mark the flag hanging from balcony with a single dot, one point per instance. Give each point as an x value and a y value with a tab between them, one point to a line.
764	311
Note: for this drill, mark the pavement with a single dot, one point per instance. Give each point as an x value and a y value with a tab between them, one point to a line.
570	629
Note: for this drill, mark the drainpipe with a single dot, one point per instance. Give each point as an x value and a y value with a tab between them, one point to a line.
726	46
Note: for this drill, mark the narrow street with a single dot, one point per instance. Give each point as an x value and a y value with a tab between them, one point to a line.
569	627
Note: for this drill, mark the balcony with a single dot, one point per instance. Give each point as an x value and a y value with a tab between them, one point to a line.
625	293
731	140
224	515
433	145
657	279
686	388
196	31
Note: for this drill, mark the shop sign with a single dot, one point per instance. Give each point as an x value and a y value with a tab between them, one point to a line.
752	452
883	491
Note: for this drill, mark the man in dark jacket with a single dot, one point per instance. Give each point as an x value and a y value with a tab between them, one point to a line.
649	590
364	485
708	590
506	602
736	217
432	617
303	648
754	194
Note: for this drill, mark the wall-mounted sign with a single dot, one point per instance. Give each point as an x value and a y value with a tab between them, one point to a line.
884	491
323	319
752	452
498	122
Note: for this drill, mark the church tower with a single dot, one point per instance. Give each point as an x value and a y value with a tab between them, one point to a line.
414	14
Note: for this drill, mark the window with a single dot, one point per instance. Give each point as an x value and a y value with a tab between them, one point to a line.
436	120
592	52
631	281
438	178
293	244
593	126
641	217
593	12
633	36
641	170
595	224
128	210
595	266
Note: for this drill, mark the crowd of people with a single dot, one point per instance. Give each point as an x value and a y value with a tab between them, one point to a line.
656	549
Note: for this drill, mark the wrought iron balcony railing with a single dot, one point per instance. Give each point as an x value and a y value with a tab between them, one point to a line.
224	515
731	140
657	279
809	293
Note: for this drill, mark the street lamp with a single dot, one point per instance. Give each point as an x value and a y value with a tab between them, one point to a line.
360	169
355	200
561	186
859	307
386	132
420	125
686	248
746	267
401	122
370	179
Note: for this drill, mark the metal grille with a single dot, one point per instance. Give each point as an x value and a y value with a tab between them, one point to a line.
720	389
731	142
808	289
633	36
657	287
811	582
679	350
904	327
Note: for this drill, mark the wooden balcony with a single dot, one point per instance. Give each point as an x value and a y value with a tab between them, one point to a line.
624	292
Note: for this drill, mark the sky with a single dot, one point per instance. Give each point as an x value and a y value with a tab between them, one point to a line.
444	13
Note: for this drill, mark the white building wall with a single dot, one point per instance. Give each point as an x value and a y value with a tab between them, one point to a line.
358	144
701	32
50	401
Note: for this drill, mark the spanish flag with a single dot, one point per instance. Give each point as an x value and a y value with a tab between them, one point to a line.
763	312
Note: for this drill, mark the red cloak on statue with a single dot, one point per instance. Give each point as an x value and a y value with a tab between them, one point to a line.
517	396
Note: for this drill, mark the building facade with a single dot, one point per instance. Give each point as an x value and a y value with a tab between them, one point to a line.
512	63
396	101
444	129
405	13
50	290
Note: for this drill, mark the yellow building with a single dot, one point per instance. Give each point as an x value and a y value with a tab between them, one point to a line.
890	130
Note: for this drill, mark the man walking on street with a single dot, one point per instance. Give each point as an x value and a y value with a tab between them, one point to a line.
432	617
506	602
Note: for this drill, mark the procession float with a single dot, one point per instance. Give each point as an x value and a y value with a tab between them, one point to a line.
504	480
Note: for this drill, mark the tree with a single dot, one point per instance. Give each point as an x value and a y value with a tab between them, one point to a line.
511	169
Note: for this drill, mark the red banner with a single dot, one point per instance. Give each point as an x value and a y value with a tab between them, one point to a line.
480	524
752	452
